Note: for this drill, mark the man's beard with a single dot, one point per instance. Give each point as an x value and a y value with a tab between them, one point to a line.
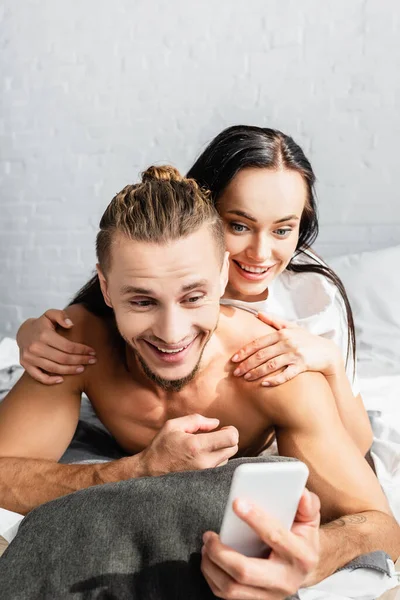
168	385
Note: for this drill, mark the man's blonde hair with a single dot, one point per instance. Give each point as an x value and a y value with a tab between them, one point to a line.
165	206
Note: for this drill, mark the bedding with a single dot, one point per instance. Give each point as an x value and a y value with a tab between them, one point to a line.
141	539
374	292
91	444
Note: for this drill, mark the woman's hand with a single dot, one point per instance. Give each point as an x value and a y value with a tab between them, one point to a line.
292	563
290	350
42	350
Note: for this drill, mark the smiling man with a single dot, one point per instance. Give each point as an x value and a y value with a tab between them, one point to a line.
163	383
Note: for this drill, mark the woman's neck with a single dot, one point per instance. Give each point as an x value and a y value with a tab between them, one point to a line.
232	294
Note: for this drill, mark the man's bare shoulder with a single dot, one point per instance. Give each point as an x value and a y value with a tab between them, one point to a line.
98	332
297	402
237	327
87	327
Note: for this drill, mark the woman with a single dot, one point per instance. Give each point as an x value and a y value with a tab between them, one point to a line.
262	185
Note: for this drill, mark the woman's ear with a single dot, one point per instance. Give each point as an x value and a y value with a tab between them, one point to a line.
104	286
224	276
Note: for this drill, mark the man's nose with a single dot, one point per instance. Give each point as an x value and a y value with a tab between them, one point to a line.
173	326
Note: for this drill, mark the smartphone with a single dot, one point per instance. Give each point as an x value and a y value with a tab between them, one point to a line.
276	488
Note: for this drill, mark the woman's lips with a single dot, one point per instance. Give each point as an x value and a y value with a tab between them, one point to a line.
173	357
252	276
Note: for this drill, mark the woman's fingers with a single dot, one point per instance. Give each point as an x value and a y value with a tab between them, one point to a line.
257	350
275	322
37	374
58	317
269	366
49	365
48	351
289	373
57	341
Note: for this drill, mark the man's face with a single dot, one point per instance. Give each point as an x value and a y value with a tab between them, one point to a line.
166	301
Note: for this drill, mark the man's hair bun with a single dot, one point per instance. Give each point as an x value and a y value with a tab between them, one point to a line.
162	173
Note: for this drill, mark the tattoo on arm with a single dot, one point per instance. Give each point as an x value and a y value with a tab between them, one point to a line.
349	520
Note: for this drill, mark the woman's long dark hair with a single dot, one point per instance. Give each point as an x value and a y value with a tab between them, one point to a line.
234	149
243	146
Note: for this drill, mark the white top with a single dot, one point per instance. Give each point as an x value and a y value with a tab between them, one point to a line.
312	301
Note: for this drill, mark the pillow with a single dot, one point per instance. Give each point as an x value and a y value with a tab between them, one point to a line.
374	292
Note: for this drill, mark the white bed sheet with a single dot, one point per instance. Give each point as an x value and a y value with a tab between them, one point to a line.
381	395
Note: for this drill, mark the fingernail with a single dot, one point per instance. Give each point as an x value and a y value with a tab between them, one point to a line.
266	383
68	322
235	358
80	369
206	537
92	353
243	506
92	361
237	372
247	376
59	380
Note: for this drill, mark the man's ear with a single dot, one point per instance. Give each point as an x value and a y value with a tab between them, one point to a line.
224	276
104	286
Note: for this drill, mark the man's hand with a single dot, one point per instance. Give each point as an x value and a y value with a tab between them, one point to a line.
189	443
293	558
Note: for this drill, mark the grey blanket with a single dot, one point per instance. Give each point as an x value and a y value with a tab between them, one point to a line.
136	540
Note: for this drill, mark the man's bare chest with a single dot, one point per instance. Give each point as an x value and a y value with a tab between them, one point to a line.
134	414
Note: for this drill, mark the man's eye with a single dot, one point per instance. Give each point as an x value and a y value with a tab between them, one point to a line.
282	232
195	299
238	227
141	303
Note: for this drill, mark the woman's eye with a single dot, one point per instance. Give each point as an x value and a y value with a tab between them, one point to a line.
238	227
282	232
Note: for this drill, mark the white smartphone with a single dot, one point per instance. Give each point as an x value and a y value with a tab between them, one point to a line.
275	487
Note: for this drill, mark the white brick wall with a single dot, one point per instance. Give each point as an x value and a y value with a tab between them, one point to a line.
93	91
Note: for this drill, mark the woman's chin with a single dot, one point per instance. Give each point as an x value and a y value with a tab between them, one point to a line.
248	292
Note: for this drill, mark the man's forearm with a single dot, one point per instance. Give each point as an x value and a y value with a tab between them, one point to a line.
346	538
27	483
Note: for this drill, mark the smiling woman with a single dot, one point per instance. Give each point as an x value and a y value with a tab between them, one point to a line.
264	177
261	229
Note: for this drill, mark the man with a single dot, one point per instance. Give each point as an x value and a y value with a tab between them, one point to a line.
167	394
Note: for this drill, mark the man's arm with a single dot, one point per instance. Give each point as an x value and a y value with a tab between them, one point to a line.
350	536
37	424
309	428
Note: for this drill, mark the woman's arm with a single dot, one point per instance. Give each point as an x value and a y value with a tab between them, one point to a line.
279	356
351	409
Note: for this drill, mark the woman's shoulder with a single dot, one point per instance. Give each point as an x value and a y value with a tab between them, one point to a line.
311	297
310	292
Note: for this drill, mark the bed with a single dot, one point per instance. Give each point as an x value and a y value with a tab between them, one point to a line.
374	293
